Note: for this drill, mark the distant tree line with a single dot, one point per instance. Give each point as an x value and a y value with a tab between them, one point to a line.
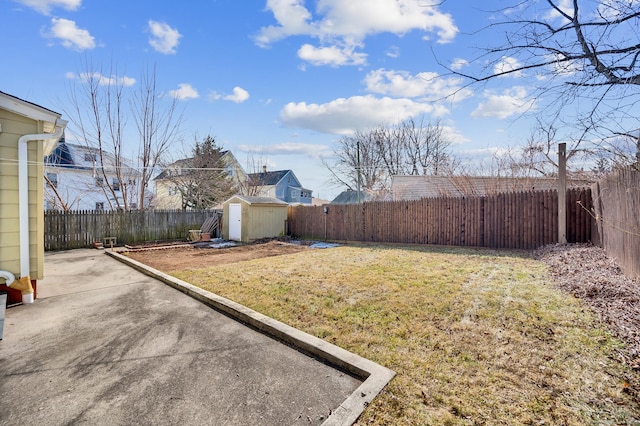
368	159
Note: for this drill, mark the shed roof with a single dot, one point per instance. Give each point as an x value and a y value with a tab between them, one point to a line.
258	200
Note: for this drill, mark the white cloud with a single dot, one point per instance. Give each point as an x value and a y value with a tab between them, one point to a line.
45	6
101	79
613	9
453	135
359	18
561	67
239	95
510	102
183	92
70	35
347	23
424	84
507	65
164	39
292	18
333	55
565	5
344	115
459	63
393	52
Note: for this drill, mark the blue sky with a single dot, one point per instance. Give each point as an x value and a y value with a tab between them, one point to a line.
283	79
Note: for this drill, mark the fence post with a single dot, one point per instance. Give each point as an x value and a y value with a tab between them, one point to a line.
562	193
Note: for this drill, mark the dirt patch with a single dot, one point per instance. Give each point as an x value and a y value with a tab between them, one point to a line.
179	258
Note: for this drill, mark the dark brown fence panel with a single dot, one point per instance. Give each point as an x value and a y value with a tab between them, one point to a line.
523	220
616	208
80	229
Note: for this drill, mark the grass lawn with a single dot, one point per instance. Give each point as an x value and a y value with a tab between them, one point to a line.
476	336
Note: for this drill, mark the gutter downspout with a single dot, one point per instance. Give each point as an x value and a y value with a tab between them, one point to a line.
24	282
8	277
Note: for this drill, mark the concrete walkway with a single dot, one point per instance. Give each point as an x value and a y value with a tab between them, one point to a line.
107	345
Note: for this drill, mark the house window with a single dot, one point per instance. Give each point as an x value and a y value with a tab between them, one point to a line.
115	184
99	181
100	206
294	193
53	179
88	156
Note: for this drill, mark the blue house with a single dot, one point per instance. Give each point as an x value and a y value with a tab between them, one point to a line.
281	184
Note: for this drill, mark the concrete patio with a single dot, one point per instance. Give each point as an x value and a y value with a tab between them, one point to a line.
106	344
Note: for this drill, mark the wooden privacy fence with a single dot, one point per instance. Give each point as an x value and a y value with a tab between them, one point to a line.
521	220
616	208
79	229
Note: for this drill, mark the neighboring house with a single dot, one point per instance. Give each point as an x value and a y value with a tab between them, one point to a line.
167	194
75	180
352	197
281	184
418	187
28	132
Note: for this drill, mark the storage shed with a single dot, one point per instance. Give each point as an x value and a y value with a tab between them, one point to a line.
251	218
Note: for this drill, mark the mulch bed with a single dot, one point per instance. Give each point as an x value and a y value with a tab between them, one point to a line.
588	273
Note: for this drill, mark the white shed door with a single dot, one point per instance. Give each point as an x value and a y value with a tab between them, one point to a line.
235	221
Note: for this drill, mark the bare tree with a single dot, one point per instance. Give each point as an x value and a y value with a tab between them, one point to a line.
95	109
251	185
425	147
98	106
53	196
582	57
358	162
158	124
370	158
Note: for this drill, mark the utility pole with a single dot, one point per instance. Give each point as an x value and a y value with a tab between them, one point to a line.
562	193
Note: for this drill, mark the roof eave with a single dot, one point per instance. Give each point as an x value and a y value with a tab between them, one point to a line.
29	109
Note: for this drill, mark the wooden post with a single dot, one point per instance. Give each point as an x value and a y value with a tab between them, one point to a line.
562	193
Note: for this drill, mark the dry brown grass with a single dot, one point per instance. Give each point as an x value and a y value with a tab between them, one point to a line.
476	337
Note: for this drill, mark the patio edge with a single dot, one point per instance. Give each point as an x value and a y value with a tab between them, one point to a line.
375	376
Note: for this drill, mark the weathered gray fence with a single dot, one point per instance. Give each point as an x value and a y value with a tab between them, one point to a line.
616	208
79	229
521	220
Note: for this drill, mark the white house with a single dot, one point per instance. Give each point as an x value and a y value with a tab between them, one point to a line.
80	177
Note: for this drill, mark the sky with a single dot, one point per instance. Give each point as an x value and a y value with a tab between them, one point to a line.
277	80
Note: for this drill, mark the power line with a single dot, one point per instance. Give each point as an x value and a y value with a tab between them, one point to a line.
10	162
